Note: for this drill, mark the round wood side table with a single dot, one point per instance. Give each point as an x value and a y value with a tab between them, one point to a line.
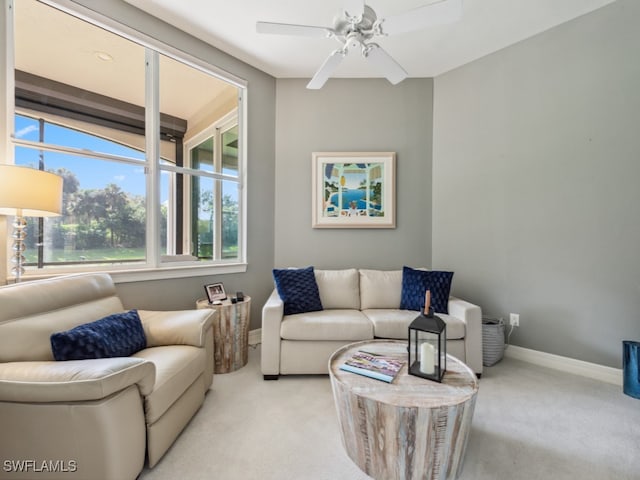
230	334
409	429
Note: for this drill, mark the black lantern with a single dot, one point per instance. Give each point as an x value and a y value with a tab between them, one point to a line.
428	346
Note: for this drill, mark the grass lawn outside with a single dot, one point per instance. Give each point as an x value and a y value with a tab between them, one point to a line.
102	255
97	255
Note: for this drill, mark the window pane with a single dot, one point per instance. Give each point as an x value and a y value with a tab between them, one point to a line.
230	216
40	130
166	200
27	128
95	85
55	134
87	95
103	217
196	213
203	217
202	156
230	151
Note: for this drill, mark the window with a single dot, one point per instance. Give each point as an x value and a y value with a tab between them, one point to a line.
215	204
148	142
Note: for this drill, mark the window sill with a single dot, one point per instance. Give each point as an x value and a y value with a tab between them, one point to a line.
164	272
176	271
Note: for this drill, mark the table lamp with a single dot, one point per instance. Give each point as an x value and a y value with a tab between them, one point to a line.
27	192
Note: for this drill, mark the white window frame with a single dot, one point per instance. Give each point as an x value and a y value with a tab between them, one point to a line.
215	131
155	267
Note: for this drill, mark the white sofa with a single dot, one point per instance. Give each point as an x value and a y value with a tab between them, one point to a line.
95	418
357	305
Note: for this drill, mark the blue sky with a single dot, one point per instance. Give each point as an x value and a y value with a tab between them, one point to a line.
92	173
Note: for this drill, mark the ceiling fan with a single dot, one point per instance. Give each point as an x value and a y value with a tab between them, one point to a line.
358	24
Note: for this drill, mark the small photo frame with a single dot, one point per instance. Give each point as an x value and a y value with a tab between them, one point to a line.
215	292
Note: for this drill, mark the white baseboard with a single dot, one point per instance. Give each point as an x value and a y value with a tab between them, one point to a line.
566	364
255	336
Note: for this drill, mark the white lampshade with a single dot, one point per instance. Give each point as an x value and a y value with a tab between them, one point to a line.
29	192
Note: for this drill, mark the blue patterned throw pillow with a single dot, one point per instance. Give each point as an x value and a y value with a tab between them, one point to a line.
298	290
118	335
416	282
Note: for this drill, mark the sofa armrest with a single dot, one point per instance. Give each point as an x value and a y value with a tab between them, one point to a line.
272	313
179	327
73	380
472	316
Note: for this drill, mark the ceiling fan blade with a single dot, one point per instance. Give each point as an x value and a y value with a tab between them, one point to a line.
289	29
325	71
354	8
438	13
385	63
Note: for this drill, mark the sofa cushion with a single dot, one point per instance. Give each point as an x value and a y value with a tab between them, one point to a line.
117	335
298	290
327	325
416	282
380	288
339	288
177	367
393	323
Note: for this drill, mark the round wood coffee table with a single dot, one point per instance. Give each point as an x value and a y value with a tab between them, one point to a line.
412	428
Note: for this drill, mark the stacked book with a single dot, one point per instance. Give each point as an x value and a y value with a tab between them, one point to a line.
372	365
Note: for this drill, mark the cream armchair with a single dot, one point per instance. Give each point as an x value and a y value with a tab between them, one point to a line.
93	418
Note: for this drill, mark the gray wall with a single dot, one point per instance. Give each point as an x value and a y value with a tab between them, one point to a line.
536	166
182	293
534	179
353	115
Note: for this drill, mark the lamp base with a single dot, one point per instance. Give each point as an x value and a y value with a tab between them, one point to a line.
18	247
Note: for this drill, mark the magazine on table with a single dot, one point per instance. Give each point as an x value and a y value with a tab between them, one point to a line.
372	365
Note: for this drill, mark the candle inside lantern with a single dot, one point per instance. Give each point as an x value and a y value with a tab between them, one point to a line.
427	301
426	359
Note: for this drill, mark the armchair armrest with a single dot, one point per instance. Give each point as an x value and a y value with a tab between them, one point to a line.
272	313
73	380
180	327
472	316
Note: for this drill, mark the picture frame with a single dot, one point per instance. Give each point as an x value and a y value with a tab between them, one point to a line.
215	292
353	190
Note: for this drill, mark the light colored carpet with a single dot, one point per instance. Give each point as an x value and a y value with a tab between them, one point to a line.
530	423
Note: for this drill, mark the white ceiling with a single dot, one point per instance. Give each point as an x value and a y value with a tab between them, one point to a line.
486	26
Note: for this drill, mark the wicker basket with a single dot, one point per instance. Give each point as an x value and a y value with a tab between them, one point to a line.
492	341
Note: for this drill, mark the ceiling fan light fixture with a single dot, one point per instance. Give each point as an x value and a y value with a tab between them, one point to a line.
353	40
358	24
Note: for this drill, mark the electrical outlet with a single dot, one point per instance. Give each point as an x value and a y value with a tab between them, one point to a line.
514	319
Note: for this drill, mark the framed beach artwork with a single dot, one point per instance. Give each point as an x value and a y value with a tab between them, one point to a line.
353	190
